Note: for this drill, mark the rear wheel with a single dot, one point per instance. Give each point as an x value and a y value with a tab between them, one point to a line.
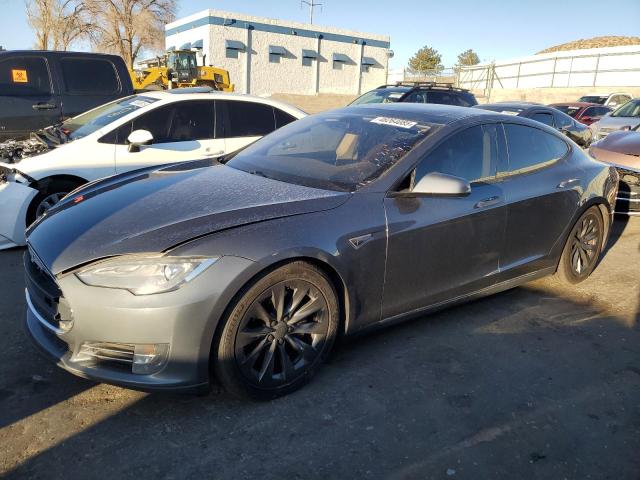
47	197
278	333
582	250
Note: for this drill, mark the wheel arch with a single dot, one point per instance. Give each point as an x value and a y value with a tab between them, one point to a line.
46	181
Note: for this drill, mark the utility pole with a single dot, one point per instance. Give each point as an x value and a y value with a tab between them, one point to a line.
312	4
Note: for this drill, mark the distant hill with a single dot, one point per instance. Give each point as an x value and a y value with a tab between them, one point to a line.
595	42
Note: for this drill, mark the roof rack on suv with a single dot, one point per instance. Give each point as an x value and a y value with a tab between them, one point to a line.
424	84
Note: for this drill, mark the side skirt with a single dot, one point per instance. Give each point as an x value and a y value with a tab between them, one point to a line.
499	287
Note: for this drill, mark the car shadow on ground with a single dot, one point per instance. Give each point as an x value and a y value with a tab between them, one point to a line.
532	381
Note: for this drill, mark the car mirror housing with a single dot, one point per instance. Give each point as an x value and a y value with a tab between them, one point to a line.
137	138
442	184
625	128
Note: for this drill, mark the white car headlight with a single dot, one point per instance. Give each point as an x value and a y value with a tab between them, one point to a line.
144	275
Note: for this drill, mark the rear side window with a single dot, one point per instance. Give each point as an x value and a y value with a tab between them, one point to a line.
444	98
530	149
89	76
471	154
542	117
177	122
562	120
283	118
248	119
24	76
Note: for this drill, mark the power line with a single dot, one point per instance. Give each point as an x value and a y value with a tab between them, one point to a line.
312	4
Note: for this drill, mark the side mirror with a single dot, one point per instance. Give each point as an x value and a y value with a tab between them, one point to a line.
441	184
137	138
625	128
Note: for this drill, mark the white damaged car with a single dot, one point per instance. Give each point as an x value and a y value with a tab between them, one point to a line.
142	130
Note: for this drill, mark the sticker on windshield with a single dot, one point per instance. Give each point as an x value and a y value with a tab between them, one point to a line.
396	95
394	122
139	103
19	76
509	112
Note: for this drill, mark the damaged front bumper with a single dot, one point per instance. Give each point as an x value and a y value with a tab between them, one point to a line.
15	198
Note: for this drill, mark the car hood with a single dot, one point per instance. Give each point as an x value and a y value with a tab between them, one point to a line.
627	143
154	209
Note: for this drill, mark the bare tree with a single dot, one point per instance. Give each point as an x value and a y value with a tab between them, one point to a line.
57	23
126	27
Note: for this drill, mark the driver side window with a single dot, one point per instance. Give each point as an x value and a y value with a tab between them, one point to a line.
471	154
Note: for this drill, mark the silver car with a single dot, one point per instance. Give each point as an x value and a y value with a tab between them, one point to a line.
628	115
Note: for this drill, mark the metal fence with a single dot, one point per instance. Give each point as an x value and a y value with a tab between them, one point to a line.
605	69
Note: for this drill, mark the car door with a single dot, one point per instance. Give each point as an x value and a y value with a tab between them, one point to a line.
28	101
86	83
182	130
442	247
243	122
541	191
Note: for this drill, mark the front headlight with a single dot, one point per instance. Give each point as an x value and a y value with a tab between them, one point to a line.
144	275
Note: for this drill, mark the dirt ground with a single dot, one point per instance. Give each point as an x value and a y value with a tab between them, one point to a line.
539	382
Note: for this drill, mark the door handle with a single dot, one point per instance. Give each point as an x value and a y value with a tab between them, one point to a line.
43	106
487	202
567	183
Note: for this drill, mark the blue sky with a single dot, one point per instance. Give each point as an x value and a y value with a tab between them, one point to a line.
495	29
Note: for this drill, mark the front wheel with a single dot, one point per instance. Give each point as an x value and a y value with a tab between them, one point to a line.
278	333
48	197
582	250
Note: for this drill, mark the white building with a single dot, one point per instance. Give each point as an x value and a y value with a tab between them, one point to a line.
265	56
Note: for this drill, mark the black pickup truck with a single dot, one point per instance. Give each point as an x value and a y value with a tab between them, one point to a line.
41	88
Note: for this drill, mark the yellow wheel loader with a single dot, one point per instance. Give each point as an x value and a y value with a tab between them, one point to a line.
178	69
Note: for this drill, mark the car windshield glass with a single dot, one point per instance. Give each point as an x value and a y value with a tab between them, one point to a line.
629	109
335	151
89	122
381	96
593	99
568	109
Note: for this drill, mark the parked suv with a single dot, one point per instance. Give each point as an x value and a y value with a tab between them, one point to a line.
419	92
612	100
41	88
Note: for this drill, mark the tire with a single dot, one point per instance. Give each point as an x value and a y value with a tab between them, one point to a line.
278	333
583	248
48	197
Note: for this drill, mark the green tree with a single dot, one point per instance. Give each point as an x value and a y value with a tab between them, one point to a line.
426	60
468	57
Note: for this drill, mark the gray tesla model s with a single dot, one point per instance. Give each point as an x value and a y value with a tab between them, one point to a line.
247	268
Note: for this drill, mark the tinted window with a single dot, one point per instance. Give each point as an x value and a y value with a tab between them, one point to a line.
89	76
629	109
417	96
568	109
530	148
562	120
178	122
248	119
444	98
593	99
283	118
471	154
541	117
24	76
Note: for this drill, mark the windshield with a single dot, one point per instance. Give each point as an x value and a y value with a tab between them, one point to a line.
386	95
569	110
334	151
593	99
87	123
629	109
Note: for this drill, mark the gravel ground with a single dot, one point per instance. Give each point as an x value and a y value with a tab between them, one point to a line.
538	382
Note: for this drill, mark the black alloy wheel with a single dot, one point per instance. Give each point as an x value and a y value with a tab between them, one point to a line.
279	333
583	247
